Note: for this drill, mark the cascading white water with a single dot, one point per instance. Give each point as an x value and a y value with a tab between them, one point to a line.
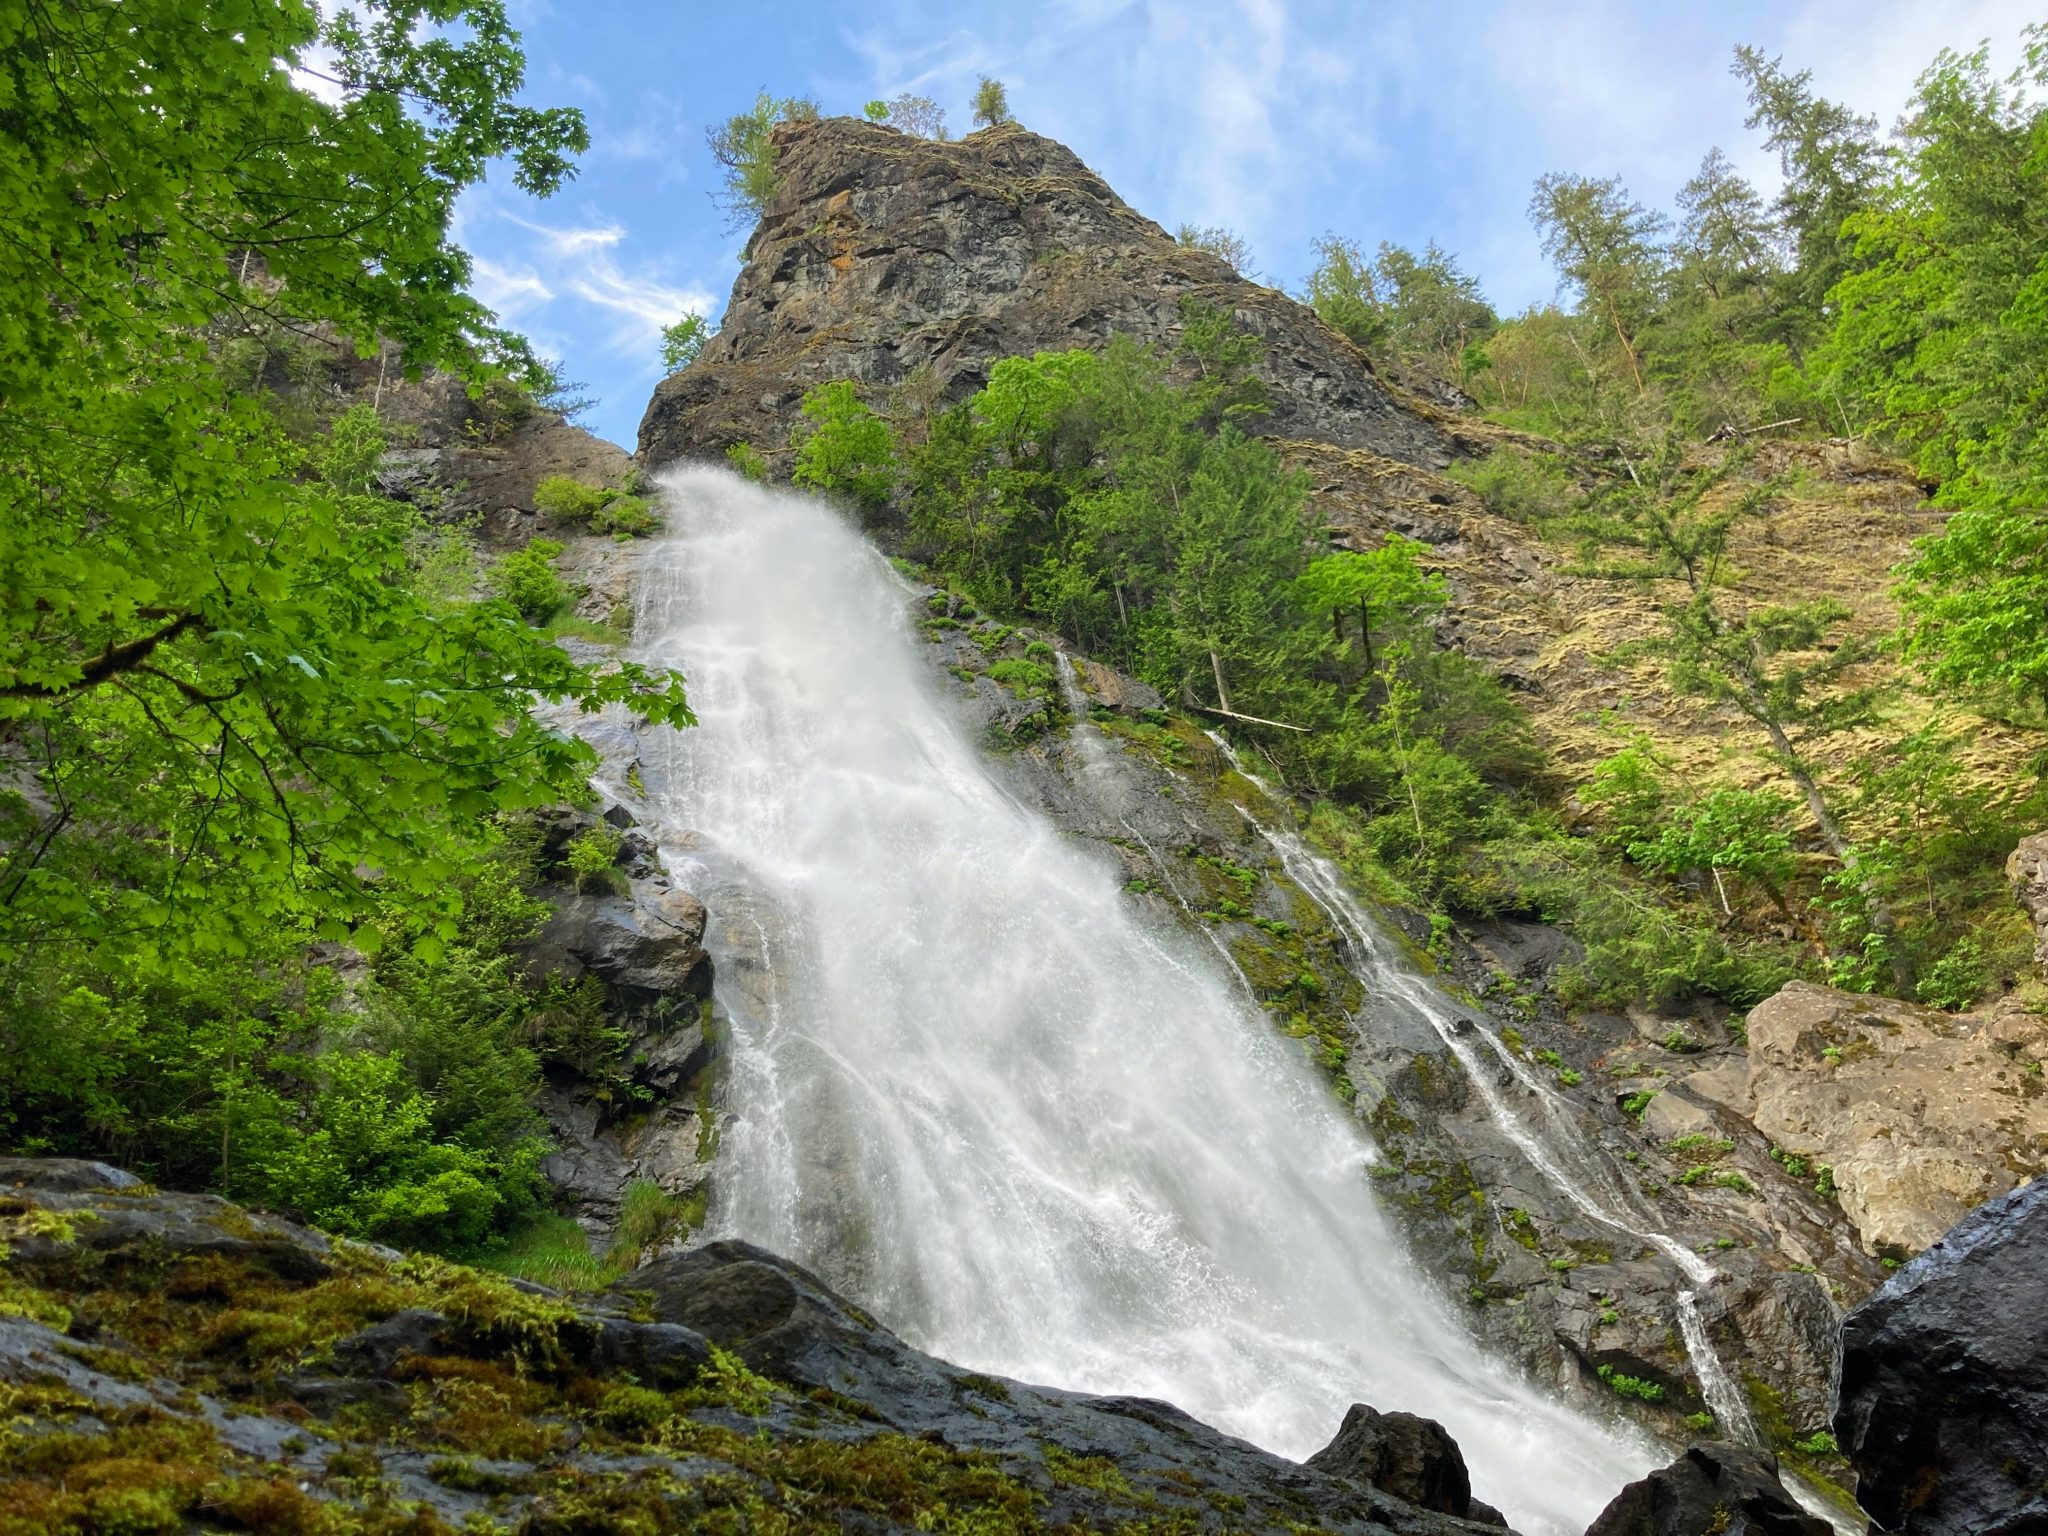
1034	1132
1547	1136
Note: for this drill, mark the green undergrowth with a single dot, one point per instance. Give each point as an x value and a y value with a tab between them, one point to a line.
1814	1456
554	1251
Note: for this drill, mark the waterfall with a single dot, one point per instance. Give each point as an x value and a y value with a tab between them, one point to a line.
1545	1133
1036	1130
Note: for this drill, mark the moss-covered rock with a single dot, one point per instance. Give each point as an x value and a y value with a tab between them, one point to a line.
170	1364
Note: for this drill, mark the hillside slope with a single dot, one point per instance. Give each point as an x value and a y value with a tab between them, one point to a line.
911	266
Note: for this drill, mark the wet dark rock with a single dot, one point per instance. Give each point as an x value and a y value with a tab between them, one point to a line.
1410	1457
783	1321
1944	1391
324	1396
660	1355
378	1348
124	1220
63	1175
1709	1491
646	944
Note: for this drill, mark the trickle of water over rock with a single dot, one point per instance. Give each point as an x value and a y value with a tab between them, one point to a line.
1036	1133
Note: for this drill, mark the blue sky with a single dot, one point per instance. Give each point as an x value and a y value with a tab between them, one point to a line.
1280	119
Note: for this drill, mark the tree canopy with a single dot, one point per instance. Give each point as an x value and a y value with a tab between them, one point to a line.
240	707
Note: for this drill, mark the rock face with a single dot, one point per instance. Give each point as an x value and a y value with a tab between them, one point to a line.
170	1362
645	943
1920	1114
641	940
1944	1394
1410	1457
2027	869
1710	1490
881	254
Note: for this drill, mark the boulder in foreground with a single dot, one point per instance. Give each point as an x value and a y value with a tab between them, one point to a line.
1943	1407
171	1362
1709	1491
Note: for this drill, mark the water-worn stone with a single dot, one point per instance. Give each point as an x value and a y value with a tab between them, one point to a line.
1921	1114
646	945
1944	1391
1111	689
2027	869
377	1349
1410	1457
1712	1490
1671	1115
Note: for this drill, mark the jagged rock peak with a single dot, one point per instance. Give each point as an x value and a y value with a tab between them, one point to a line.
881	254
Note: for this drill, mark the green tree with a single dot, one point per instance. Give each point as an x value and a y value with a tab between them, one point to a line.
1834	164
843	446
1383	583
1233	249
234	718
1942	340
1341	291
744	148
682	341
1737	832
1608	248
918	116
1789	668
1435	314
991	104
876	111
1726	346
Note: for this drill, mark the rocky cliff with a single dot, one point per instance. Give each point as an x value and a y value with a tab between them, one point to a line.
911	266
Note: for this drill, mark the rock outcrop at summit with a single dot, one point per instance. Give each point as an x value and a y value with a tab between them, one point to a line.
1944	1387
882	254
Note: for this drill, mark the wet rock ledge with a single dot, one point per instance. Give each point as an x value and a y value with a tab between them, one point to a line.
173	1363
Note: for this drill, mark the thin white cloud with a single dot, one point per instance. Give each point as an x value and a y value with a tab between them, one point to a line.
576	279
510	292
644	303
572	242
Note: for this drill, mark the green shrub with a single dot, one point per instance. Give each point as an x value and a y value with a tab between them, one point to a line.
1958	978
746	460
570	500
526	579
591	855
843	447
683	341
1631	1386
601	509
1532	488
1023	678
